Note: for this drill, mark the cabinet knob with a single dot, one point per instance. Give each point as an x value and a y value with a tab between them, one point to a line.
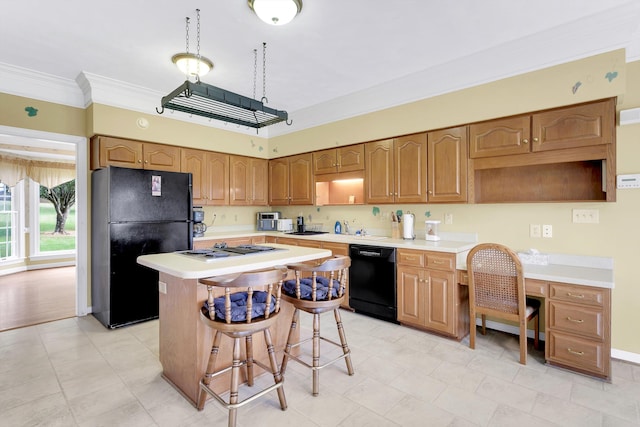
525	141
535	139
429	192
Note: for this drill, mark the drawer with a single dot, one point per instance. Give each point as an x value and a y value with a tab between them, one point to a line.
441	262
413	258
463	277
576	352
535	288
587	321
579	294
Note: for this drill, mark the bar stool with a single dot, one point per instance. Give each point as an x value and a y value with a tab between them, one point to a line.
253	307
317	294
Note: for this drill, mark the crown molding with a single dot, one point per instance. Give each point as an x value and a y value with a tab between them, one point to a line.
20	81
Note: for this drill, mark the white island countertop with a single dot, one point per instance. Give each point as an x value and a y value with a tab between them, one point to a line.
191	267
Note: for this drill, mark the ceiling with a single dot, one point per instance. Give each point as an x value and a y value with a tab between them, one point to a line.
336	59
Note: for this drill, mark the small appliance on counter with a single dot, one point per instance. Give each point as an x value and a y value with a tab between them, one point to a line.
285	225
267	221
408	226
431	230
300	224
199	227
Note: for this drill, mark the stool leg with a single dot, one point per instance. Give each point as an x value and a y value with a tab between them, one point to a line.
343	341
202	397
277	376
294	324
316	353
249	345
235	382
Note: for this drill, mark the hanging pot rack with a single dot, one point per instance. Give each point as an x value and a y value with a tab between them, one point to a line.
205	100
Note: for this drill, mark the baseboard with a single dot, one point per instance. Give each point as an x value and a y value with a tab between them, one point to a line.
626	356
22	268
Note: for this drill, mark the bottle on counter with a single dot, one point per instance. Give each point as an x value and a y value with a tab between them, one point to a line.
338	228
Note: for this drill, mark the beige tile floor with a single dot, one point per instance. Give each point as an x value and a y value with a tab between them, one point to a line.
74	372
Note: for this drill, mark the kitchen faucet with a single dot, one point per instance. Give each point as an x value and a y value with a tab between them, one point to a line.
346	227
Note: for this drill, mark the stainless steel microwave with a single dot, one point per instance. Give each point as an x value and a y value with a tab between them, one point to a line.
267	221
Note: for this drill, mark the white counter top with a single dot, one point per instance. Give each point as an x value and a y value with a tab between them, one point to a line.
186	267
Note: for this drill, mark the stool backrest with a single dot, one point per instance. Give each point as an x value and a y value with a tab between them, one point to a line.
335	269
264	285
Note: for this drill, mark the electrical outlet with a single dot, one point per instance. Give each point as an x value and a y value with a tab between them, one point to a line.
162	287
586	216
534	230
547	231
448	218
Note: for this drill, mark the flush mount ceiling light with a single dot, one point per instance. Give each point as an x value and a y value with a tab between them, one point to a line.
192	65
276	12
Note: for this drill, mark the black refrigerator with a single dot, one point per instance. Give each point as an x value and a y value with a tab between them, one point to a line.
134	212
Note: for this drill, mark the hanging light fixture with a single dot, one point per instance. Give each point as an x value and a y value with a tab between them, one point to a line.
276	12
192	65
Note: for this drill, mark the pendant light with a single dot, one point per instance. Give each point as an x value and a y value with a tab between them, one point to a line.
192	65
276	12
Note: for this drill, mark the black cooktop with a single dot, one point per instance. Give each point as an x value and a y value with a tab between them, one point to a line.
224	251
306	233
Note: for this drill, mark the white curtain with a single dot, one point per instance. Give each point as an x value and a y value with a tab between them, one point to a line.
49	174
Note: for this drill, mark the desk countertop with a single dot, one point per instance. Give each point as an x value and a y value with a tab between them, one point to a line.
186	267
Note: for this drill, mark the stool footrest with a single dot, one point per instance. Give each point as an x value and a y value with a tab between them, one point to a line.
299	360
228	405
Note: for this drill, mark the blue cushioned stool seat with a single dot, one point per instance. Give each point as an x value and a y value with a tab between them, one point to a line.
322	288
239	305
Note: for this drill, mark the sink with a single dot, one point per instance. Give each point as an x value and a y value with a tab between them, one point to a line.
356	237
371	237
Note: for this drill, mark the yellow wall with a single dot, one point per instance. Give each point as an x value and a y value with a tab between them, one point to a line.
615	236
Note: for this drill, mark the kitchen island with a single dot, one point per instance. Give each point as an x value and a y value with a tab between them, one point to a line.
185	341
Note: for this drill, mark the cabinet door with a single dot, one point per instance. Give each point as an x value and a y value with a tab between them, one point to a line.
301	184
500	137
217	169
279	182
324	162
410	156
580	126
239	175
440	301
411	308
194	162
259	182
350	158
379	172
161	157
116	152
447	165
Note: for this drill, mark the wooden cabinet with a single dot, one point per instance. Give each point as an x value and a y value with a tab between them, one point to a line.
429	296
248	179
447	165
109	151
579	328
565	154
343	159
396	170
561	128
210	173
291	180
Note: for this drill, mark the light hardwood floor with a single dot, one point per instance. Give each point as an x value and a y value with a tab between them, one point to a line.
37	296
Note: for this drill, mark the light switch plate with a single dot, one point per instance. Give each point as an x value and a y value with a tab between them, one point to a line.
628	181
586	216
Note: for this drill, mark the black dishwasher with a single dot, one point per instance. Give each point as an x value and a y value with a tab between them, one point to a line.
372	281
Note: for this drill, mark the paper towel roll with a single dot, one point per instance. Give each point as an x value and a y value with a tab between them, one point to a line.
408	226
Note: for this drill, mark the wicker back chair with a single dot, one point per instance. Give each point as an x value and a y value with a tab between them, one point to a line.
497	289
249	304
317	289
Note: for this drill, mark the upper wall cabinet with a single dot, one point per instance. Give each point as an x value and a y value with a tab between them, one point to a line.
560	155
210	173
447	165
248	179
108	151
291	180
343	159
571	127
396	170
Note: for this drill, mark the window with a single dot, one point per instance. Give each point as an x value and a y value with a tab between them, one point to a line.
44	219
11	241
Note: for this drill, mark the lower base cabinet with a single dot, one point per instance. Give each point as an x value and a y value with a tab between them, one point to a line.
429	296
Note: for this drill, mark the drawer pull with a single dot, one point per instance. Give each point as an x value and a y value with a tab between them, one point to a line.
410	258
574	320
577	353
437	261
569	294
